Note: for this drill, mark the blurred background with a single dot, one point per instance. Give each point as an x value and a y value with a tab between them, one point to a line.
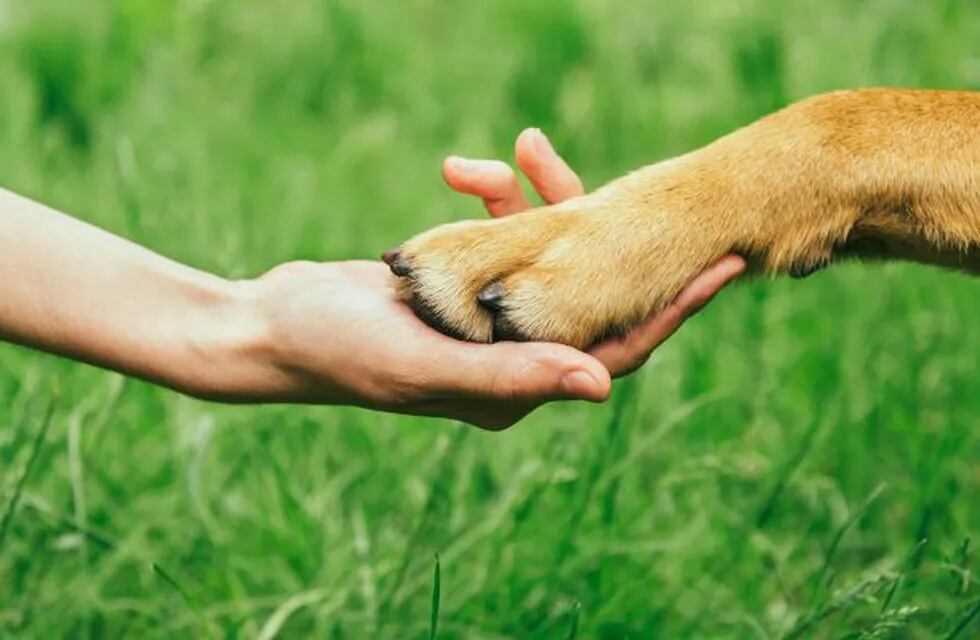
802	460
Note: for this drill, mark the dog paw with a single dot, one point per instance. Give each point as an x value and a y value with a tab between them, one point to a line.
574	273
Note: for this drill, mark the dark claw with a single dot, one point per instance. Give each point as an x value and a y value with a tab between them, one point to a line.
492	296
399	265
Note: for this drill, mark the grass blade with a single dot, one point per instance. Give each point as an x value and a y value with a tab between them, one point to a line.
963	564
436	499
822	581
42	433
965	622
786	474
184	596
891	593
436	589
576	613
843	602
273	625
901	576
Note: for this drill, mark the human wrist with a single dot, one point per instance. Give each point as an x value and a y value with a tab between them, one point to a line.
224	344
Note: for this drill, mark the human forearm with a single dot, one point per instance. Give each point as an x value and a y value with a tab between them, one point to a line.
69	288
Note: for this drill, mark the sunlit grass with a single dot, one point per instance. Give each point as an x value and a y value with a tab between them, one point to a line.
799	461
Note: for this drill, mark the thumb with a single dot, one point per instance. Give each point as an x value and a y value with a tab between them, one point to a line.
530	372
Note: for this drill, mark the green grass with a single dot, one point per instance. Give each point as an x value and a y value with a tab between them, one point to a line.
801	461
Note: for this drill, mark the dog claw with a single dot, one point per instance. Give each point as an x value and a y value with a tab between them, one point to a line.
398	265
491	296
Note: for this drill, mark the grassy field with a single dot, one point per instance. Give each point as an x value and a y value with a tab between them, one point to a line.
802	460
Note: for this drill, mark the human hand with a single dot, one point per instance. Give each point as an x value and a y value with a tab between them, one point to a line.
335	333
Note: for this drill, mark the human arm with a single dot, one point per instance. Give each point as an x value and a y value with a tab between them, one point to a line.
328	333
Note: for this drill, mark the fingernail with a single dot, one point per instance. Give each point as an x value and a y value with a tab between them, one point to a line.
461	164
579	384
543	146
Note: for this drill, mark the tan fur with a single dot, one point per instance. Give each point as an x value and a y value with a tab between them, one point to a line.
882	173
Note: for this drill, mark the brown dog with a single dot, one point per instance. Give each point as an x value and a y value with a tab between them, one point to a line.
879	173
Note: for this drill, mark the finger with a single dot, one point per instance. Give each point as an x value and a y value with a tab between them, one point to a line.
523	372
492	180
552	178
704	287
624	355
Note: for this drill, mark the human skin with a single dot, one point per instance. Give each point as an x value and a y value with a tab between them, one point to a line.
321	333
